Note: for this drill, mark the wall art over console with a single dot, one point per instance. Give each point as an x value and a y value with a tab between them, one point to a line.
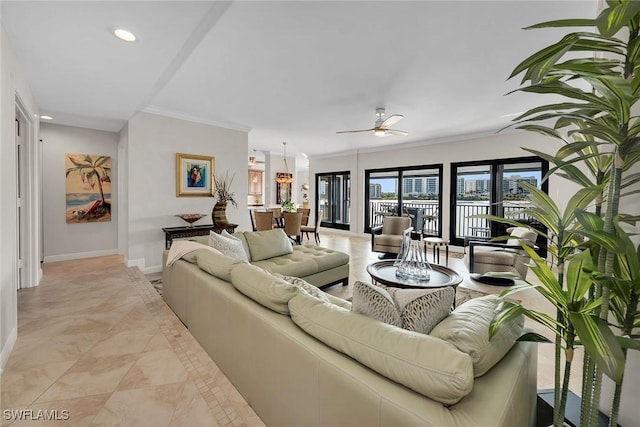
88	187
194	175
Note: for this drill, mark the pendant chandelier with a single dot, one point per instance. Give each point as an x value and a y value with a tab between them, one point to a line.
284	177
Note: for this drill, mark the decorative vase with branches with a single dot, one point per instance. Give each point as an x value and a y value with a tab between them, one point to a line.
222	192
594	279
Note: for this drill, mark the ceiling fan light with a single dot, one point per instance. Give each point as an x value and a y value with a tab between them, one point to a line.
379	132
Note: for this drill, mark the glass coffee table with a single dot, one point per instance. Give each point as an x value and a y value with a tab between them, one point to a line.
384	272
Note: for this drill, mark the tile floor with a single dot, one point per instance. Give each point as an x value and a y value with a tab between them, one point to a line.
95	339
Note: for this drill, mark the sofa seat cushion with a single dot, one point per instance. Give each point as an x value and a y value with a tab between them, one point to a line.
304	261
495	256
388	240
467	327
423	363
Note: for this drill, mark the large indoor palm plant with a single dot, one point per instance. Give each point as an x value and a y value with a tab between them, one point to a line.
594	279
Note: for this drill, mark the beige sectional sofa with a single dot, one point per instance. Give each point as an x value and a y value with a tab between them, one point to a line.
302	358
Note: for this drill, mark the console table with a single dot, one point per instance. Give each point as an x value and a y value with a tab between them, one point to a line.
171	233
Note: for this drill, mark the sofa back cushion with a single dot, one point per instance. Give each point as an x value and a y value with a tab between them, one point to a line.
467	327
263	287
217	264
423	363
267	244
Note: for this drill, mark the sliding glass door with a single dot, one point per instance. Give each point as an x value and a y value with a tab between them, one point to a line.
492	187
413	191
333	199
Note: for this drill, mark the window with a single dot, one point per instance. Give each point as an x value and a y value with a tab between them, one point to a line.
492	187
333	199
414	191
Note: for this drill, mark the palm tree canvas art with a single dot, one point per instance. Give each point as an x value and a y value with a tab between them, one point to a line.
88	187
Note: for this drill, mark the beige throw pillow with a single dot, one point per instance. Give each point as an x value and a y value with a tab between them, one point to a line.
375	302
229	246
467	327
421	310
417	310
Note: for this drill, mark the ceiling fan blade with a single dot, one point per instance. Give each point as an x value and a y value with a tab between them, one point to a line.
396	132
354	131
391	120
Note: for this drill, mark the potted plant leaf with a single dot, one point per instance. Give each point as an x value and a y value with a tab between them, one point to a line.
593	279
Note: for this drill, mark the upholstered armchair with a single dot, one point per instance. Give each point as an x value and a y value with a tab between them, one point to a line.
387	238
486	256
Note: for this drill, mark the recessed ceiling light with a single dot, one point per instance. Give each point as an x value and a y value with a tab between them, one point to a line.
46	117
124	35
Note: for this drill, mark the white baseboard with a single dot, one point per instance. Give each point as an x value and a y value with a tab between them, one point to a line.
138	262
80	255
7	348
153	269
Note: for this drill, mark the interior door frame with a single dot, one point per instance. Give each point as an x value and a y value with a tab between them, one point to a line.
31	227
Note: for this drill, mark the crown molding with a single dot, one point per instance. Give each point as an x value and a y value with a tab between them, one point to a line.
421	143
182	116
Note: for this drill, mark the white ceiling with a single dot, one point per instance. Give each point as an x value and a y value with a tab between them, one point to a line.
295	71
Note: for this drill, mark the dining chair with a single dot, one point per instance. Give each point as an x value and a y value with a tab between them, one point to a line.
264	220
277	216
293	226
253	219
315	229
305	215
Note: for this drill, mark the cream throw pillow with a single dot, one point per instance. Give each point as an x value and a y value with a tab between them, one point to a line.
229	246
467	327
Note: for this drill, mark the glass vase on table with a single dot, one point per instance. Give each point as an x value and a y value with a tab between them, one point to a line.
412	262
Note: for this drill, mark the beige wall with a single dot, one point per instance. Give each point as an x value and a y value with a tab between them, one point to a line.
72	241
150	204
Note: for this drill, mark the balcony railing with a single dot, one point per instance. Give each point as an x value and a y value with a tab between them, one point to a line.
466	225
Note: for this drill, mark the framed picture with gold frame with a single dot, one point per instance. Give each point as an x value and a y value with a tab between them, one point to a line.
194	175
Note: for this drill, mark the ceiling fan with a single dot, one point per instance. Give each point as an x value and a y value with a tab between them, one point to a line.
253	161
381	127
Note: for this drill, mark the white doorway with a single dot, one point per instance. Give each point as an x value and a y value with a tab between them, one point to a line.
27	173
20	134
